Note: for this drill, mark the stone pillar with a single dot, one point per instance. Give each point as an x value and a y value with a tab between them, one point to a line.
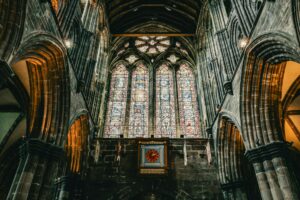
69	187
275	179
219	19
229	62
39	166
62	188
234	190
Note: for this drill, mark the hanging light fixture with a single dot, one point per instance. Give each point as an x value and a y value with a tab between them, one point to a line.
68	43
243	42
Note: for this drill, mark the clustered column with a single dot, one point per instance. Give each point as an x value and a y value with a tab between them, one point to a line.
275	179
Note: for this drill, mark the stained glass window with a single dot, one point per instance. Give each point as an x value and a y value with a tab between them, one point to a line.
115	119
188	107
174	102
165	110
152	45
139	107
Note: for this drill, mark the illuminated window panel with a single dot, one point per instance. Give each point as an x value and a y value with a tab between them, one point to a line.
115	119
165	109
188	106
139	107
152	45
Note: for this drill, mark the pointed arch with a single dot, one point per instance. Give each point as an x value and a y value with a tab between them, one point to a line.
234	173
260	87
49	87
230	149
76	143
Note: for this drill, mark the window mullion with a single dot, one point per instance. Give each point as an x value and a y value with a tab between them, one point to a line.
128	104
176	103
151	101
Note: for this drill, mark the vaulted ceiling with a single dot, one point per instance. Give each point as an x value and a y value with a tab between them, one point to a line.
180	15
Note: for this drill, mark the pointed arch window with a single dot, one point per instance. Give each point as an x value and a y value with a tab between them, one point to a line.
115	119
139	106
165	108
159	100
187	99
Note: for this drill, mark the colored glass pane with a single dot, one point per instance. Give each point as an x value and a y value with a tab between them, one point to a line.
152	45
188	106
139	107
115	119
165	110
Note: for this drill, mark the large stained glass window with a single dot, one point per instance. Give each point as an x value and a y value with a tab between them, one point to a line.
165	108
171	110
115	119
139	107
188	106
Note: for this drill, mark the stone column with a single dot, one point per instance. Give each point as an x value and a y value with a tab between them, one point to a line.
62	188
234	190
39	166
274	178
69	187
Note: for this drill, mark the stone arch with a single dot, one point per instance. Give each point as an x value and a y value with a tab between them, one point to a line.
289	113
11	26
260	105
233	171
76	143
235	34
44	58
290	107
70	185
259	87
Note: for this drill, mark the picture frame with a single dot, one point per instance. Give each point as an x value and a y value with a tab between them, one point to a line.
153	157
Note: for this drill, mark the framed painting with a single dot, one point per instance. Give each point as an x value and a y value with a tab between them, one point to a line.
152	157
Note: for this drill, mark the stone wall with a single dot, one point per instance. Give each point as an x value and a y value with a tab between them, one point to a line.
112	179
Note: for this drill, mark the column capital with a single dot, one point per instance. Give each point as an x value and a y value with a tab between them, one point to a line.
36	146
232	185
266	152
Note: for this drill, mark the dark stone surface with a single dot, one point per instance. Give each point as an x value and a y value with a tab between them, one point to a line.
110	179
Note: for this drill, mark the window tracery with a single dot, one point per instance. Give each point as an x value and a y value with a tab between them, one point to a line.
131	59
173	108
152	45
